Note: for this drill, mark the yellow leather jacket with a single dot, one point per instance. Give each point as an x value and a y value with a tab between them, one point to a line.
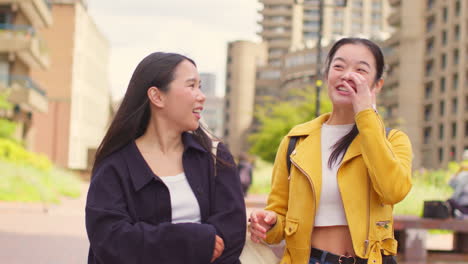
375	174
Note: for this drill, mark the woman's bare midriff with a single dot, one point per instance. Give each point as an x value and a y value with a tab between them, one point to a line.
334	239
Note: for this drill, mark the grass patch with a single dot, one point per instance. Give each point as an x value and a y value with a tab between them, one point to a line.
26	183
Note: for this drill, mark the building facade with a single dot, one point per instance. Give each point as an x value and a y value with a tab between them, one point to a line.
426	92
244	57
77	85
213	111
23	50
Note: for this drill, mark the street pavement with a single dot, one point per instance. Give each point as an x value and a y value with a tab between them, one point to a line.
29	235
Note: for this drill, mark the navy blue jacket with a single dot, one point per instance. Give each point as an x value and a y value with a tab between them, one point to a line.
128	210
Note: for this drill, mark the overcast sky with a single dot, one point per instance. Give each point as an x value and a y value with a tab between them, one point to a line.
199	29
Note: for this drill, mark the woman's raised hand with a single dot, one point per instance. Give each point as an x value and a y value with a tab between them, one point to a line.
363	96
260	222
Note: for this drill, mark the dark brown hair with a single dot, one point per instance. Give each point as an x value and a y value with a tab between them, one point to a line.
133	115
342	145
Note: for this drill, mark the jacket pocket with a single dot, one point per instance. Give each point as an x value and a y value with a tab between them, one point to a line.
384	229
290	227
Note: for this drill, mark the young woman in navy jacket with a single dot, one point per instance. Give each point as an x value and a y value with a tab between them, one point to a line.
157	195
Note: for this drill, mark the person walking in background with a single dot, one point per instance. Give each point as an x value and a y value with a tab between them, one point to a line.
158	194
245	169
459	182
335	204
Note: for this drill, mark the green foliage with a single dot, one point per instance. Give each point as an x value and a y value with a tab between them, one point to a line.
13	152
277	118
7	127
26	183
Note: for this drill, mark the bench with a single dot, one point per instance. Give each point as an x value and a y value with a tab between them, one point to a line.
411	233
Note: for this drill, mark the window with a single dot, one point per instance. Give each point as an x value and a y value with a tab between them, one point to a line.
441	131
457	32
429	66
428	90
443	61
452	153
427	112
454	105
445	14
430	4
427	135
430	24
455	81
456	57
441	154
466	128
430	45
442	84
444	38
457	8
454	129
442	108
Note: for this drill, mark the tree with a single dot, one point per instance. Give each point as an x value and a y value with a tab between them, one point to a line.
7	127
277	118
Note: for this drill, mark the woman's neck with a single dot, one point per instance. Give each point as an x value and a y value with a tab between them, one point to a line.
340	116
158	137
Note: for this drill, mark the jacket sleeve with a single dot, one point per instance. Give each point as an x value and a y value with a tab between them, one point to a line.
118	239
228	214
387	160
278	198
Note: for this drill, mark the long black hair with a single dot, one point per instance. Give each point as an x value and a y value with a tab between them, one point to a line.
342	145
132	118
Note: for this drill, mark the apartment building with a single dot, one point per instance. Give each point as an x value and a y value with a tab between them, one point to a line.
291	30
22	50
78	87
426	92
244	57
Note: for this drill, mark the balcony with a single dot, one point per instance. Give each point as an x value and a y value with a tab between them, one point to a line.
394	3
286	12
24	42
24	92
37	11
271	34
395	18
275	22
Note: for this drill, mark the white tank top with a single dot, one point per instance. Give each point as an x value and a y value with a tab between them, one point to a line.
184	204
331	211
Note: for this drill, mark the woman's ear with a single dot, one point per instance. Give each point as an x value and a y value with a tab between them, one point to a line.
378	85
155	96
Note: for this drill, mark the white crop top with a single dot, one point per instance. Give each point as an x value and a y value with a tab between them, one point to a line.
184	204
330	210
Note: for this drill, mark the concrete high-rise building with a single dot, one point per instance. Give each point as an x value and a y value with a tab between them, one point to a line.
426	88
243	59
214	105
78	87
22	49
291	29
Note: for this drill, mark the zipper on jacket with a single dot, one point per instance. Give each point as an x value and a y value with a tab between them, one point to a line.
366	242
315	197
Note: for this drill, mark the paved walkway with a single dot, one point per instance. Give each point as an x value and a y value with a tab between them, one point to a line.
29	235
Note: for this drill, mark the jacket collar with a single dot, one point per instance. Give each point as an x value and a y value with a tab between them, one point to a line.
140	173
312	127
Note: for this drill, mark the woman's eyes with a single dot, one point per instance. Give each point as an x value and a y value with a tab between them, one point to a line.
362	70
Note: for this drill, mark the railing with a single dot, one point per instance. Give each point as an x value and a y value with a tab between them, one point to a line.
48	4
27	31
24	81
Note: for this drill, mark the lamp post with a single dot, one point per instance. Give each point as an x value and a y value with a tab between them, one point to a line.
318	82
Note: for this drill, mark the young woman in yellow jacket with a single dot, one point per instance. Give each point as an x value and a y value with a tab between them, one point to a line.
335	204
